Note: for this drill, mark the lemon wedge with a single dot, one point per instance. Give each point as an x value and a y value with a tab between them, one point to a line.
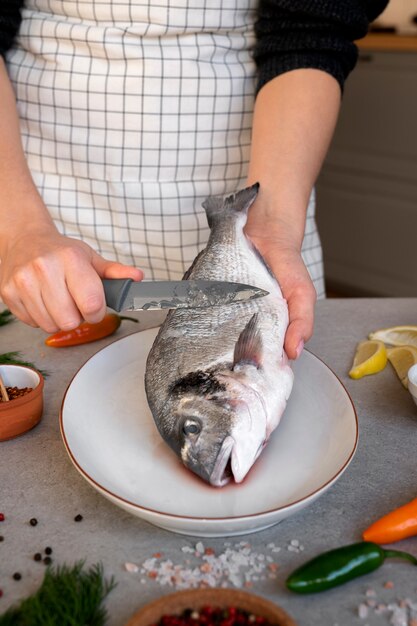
397	335
370	358
401	359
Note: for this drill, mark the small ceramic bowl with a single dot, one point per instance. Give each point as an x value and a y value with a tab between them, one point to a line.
195	599
23	413
412	382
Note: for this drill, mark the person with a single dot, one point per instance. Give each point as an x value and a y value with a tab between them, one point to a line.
117	119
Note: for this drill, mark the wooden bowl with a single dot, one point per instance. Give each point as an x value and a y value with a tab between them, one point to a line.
221	598
21	414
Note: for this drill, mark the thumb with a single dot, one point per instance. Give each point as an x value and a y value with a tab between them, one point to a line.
113	269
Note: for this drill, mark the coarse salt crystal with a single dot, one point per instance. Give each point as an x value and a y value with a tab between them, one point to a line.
295	542
399	615
205	568
363	611
370	593
131	567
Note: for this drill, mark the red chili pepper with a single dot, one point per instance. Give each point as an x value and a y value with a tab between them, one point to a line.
86	332
396	525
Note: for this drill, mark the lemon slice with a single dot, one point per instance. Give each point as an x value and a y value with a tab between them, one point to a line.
401	359
370	358
397	335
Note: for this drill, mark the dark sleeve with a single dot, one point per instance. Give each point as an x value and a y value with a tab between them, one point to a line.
10	19
292	34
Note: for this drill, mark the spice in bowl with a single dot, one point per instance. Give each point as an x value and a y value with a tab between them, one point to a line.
21	399
211	607
14	392
213	616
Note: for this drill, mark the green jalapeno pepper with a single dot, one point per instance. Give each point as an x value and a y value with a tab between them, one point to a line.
336	567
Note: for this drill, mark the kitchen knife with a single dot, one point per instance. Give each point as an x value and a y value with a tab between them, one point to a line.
126	294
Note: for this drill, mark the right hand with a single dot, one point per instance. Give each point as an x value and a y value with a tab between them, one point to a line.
53	282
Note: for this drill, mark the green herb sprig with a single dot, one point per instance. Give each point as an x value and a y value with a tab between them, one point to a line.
5	317
13	358
68	596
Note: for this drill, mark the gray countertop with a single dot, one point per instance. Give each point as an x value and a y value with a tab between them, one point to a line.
37	479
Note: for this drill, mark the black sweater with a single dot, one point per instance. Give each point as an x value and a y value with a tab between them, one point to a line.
290	34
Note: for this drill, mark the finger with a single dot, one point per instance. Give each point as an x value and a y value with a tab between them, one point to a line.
16	307
301	304
87	291
60	304
112	269
28	298
89	296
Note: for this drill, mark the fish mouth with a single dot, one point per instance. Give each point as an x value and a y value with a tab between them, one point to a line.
222	473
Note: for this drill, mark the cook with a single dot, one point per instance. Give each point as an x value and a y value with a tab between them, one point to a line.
118	119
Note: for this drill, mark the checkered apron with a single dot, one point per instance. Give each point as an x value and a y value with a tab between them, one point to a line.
132	113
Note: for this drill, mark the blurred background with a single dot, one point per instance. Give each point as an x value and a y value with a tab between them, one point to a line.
367	190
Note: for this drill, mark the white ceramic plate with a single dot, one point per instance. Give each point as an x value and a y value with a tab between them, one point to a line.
112	440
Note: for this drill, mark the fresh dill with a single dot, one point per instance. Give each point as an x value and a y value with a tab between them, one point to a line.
5	317
13	358
68	596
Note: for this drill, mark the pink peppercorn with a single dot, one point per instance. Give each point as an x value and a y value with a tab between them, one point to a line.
1	517
212	616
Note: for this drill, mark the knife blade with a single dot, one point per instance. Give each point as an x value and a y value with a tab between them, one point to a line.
146	295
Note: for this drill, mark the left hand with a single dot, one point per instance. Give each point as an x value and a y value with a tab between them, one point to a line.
276	244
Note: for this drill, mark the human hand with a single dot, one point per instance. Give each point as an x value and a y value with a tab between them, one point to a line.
275	242
52	281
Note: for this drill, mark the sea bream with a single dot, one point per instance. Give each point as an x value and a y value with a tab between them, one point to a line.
217	379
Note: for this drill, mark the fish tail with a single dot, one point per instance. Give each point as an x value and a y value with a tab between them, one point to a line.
217	207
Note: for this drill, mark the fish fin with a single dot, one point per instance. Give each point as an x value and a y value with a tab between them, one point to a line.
218	206
248	348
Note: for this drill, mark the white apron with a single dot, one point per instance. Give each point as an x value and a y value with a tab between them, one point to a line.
132	113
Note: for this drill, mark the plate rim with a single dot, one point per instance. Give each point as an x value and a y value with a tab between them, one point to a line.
192	518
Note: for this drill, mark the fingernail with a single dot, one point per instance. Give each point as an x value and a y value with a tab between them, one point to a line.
299	348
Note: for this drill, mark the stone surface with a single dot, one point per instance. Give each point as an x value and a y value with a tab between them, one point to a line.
38	480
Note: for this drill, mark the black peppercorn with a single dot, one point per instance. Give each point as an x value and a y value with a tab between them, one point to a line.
48	550
33	521
17	576
37	556
78	518
47	560
1	538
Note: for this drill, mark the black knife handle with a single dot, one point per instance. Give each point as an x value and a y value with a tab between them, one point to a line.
115	292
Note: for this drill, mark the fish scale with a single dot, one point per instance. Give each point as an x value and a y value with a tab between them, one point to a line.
215	413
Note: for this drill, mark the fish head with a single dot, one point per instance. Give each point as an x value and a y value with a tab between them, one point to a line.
202	436
218	435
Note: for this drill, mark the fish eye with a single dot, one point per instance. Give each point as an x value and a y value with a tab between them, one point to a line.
191	427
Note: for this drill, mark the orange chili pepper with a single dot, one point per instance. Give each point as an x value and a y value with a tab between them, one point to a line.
396	525
86	332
